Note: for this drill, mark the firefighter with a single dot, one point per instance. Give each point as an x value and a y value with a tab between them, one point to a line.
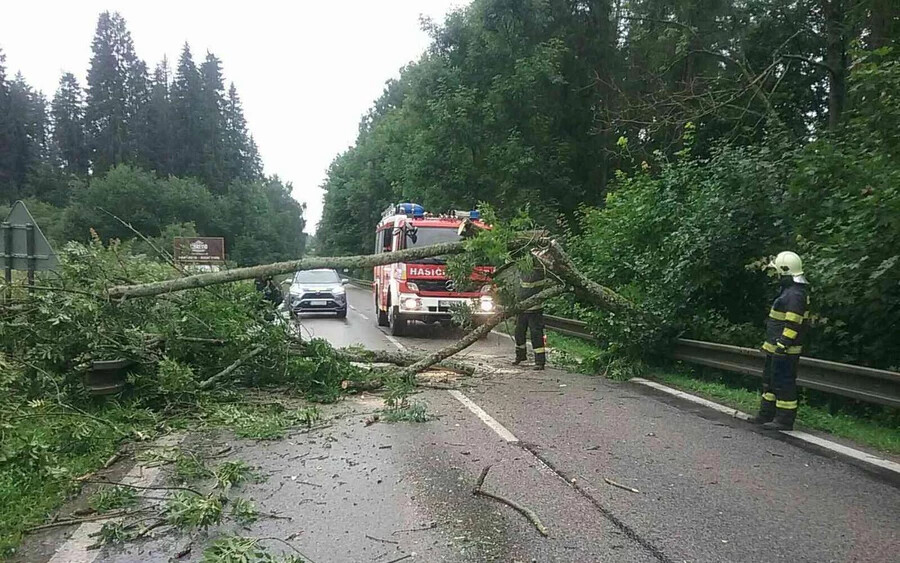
531	320
785	329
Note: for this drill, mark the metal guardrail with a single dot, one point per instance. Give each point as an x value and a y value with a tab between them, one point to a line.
857	382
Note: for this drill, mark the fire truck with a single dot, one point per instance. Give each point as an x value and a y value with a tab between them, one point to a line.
420	290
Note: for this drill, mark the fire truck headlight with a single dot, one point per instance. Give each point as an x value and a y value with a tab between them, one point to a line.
412	303
487	305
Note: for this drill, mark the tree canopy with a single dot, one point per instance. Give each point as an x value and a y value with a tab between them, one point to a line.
159	151
676	143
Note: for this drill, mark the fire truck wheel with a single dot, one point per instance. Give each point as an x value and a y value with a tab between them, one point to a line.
397	322
381	317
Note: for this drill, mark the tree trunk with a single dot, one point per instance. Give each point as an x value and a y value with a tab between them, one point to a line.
310	263
835	57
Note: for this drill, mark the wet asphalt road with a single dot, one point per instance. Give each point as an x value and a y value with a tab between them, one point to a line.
710	488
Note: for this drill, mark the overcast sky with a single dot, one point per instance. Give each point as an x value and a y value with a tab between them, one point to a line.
306	71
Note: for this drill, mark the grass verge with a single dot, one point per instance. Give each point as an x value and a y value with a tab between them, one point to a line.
869	425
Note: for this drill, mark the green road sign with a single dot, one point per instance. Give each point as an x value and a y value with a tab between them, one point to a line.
22	244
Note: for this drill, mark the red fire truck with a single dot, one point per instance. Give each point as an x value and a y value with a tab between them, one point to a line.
420	290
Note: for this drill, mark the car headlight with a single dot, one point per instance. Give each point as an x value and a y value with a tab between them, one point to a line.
339	290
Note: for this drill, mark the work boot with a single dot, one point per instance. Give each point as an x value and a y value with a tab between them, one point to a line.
784	420
766	411
538	367
518	361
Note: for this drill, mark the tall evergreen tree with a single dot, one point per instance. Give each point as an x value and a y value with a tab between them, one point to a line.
241	154
187	103
5	126
212	89
158	153
26	131
67	111
116	94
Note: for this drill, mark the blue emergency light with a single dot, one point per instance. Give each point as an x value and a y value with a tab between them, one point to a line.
413	209
474	214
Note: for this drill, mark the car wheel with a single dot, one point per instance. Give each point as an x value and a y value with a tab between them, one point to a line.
396	322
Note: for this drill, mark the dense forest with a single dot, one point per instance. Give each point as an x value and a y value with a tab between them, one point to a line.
674	143
168	152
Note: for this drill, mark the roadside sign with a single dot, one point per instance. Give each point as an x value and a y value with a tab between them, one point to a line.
23	246
200	250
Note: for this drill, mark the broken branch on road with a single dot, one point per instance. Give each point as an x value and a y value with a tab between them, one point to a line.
523	510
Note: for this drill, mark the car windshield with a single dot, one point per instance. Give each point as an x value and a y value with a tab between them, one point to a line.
425	236
317	276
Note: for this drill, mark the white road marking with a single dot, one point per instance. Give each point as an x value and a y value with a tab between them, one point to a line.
841	449
485	417
361	315
75	549
798	434
692	398
395	342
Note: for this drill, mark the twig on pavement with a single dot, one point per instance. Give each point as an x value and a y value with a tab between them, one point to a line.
621	486
381	540
429	526
523	510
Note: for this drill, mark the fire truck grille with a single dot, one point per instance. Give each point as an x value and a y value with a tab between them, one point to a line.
432	285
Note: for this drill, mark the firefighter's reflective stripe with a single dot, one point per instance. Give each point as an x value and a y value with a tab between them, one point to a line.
789	333
772	349
777	315
540	350
769	397
793	317
787	405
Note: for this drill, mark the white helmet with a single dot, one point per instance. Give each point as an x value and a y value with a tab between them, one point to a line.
788	263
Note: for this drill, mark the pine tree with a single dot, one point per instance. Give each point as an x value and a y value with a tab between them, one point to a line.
26	134
67	111
187	102
158	153
5	127
241	155
116	94
212	125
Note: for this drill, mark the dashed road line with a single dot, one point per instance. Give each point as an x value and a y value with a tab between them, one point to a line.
361	315
485	417
797	434
75	550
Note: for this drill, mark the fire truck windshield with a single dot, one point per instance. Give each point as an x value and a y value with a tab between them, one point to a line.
425	236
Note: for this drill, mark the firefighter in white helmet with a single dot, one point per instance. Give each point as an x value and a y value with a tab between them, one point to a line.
785	330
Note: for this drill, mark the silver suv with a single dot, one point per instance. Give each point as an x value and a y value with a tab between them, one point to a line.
317	291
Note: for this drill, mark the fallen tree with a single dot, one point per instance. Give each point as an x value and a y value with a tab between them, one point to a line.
311	263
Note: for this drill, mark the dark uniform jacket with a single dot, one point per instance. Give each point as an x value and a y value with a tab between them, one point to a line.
532	283
788	320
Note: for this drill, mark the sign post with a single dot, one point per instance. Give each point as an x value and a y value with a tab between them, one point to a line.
23	246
